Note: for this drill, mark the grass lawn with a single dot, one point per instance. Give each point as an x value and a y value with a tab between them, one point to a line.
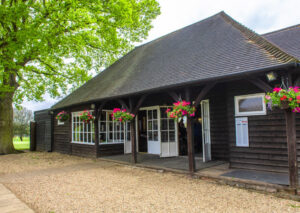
21	145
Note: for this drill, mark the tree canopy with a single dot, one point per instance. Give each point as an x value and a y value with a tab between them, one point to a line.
46	45
51	46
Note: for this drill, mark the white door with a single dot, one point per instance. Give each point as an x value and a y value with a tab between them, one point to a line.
152	131
168	134
206	142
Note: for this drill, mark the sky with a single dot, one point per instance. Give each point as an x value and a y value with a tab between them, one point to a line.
259	15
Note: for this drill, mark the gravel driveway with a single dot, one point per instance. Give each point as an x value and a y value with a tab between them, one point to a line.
51	182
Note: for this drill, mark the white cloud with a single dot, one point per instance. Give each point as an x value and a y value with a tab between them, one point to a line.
260	15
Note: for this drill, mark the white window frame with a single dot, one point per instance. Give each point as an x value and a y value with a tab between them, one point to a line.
168	130
107	122
257	95
91	130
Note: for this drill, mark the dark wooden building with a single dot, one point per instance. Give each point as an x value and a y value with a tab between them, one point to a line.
43	130
220	66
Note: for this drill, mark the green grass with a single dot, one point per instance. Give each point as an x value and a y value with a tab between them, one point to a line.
21	145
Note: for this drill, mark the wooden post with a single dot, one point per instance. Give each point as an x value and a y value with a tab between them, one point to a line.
32	136
133	141
292	147
190	143
96	131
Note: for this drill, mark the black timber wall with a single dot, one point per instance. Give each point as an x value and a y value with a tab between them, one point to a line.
62	140
43	121
218	122
267	149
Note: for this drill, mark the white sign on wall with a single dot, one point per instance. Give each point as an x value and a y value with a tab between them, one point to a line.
242	132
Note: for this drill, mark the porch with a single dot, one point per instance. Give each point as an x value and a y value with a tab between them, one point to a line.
215	169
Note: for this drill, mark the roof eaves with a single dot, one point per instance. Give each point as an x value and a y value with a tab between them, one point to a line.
260	41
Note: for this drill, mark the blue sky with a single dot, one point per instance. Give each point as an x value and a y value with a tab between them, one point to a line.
260	15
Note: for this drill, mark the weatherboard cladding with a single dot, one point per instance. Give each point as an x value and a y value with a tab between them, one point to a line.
288	39
215	47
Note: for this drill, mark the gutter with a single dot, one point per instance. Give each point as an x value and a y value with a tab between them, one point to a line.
190	83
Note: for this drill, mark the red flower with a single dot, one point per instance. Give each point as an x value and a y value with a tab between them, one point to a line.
283	98
290	99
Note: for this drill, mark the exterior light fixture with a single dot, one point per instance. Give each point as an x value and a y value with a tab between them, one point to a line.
271	76
92	106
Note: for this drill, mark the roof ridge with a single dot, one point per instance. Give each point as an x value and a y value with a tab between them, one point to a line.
263	43
280	30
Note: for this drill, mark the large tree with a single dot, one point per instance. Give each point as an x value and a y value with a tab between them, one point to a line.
50	46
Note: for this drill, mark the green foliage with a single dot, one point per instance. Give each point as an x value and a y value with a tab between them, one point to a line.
50	45
86	116
22	120
62	116
280	97
119	115
181	109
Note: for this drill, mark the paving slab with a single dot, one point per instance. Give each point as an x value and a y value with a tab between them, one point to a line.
10	203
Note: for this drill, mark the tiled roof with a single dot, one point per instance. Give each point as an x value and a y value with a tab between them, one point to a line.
287	39
213	48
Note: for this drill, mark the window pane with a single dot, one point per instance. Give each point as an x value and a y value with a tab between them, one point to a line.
155	114
164	136
150	136
102	137
155	125
103	116
172	136
171	124
149	114
164	124
163	113
110	124
250	104
128	136
149	125
109	116
102	127
155	135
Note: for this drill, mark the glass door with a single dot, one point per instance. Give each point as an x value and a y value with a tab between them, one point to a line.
152	131
169	138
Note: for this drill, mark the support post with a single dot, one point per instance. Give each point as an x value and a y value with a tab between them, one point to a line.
292	147
96	131
190	143
133	142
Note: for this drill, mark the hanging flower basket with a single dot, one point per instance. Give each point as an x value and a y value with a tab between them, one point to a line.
120	115
62	116
86	116
181	109
284	99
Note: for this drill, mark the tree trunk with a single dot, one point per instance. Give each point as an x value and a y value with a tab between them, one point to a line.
6	124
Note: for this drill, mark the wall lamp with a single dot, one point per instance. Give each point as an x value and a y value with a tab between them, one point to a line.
271	76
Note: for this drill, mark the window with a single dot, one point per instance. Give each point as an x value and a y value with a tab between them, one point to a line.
111	131
152	127
167	127
250	105
81	132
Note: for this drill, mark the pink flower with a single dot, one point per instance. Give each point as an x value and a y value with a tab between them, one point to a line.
298	97
123	110
168	110
116	110
184	112
192	115
268	97
277	89
132	115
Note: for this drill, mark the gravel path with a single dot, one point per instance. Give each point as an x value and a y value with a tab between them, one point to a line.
61	183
